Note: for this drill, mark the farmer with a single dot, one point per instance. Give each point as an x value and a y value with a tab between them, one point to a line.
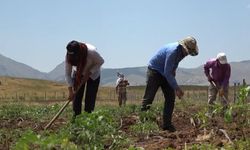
121	86
87	62
218	71
161	73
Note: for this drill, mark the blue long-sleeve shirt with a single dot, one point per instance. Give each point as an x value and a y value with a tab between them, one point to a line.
166	61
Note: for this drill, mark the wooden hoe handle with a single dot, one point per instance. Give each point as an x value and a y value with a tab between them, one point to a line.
57	115
61	110
223	96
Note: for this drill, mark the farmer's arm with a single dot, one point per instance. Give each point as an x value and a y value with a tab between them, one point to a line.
207	67
168	70
94	64
170	67
86	77
97	62
117	84
69	80
226	77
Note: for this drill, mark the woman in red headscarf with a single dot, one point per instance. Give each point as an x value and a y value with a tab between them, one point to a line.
82	66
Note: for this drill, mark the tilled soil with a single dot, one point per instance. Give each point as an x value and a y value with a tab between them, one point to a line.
9	125
188	132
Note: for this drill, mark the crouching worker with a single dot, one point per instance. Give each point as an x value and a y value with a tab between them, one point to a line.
121	89
161	73
218	71
87	62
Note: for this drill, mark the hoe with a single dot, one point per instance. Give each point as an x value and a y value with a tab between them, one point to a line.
60	111
57	115
223	96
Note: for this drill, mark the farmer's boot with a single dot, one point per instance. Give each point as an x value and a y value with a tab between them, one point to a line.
167	123
145	107
169	128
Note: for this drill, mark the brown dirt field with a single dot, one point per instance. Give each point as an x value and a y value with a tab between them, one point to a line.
24	124
186	134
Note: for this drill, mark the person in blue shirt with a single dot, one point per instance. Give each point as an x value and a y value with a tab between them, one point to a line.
161	73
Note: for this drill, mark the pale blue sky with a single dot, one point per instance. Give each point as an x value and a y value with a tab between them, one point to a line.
126	32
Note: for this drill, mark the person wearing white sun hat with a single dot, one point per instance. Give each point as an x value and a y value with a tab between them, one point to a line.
218	71
222	58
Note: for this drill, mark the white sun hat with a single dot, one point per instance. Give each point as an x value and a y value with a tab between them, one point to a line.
222	58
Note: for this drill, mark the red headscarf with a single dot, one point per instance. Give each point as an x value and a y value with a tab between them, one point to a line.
79	61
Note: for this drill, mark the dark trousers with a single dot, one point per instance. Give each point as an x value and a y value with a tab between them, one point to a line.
90	97
154	81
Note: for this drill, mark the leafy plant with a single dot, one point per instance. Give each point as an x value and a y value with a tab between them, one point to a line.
228	117
240	108
243	94
144	128
149	115
31	140
202	118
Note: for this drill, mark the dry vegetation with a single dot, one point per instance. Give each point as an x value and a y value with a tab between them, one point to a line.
12	85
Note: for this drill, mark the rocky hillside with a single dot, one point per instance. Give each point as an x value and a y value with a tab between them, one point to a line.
135	75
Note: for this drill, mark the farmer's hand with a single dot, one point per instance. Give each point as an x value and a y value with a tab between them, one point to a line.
179	93
209	79
221	92
174	73
71	93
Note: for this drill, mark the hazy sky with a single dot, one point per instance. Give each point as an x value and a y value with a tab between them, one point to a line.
126	32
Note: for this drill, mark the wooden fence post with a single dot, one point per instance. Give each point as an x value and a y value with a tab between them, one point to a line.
234	92
244	82
45	95
109	94
64	95
207	93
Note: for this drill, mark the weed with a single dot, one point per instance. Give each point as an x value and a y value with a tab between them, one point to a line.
143	129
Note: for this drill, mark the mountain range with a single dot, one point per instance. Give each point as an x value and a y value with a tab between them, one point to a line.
135	75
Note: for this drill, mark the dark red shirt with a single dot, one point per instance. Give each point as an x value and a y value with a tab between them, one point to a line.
219	73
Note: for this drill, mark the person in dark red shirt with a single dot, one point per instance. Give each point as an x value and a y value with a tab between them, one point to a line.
218	71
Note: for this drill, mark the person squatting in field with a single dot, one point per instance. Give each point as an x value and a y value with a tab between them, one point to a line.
161	73
218	71
87	62
121	89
